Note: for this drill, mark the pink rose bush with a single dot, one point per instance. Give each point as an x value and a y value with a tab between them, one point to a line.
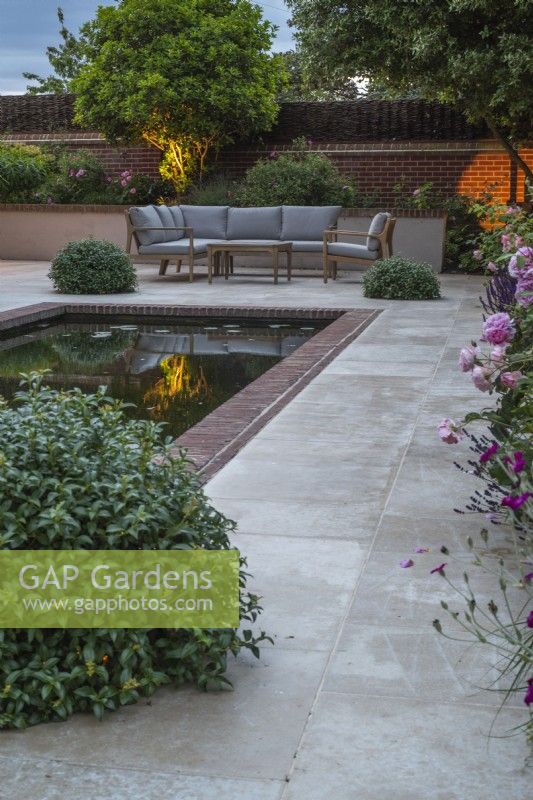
501	364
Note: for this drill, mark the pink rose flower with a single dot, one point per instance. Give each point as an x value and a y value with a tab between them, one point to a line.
416	192
510	379
478	255
133	190
491	266
467	358
506	243
498	353
479	378
498	328
80	173
406	563
449	431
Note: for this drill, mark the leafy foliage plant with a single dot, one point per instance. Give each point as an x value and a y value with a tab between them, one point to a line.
92	266
76	474
398	278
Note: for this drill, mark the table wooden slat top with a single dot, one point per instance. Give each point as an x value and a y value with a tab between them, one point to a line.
249	247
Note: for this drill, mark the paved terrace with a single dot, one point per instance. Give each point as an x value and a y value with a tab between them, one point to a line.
359	699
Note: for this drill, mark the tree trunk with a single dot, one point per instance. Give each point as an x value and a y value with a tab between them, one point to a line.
512	153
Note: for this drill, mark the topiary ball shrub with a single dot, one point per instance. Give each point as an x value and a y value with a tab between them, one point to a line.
76	474
92	266
398	278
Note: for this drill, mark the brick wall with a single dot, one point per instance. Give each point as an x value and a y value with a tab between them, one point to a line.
465	167
453	167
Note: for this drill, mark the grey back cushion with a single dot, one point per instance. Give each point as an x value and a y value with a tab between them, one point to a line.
307	222
147	217
376	226
166	221
207	222
254	223
179	222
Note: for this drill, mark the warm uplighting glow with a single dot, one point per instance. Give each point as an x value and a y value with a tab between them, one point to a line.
178	381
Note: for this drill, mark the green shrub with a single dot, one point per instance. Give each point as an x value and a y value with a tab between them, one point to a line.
299	177
23	169
76	474
217	191
398	278
92	266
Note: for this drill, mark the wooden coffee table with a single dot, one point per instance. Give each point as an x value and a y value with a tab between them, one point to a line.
228	249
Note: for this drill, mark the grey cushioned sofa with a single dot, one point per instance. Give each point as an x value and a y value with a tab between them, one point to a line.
165	233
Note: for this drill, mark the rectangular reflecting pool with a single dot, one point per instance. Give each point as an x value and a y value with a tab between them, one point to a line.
174	372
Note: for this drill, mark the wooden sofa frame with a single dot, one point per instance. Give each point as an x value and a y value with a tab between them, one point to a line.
384	250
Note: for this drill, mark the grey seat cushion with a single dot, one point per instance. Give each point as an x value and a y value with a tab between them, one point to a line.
376	226
179	247
254	223
307	222
207	222
351	250
308	246
147	217
179	222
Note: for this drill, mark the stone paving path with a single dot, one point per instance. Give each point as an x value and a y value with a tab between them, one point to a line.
359	699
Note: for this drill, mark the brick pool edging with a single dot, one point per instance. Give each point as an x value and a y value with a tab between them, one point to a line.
219	436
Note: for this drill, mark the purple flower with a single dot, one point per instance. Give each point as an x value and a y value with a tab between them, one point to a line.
489	452
528	698
491	266
528	577
467	358
498	328
479	378
422	550
530	620
80	173
449	431
406	563
439	569
519	462
133	190
520	262
515	501
524	288
498	353
510	379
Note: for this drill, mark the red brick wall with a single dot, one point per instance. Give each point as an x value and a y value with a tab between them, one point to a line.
453	167
468	167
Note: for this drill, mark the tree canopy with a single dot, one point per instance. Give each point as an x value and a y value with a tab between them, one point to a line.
187	76
476	55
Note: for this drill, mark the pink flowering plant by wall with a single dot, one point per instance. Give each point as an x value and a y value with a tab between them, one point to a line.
500	364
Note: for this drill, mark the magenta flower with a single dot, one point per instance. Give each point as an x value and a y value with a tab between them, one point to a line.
499	328
422	550
515	501
528	577
133	190
510	379
530	620
479	378
528	698
406	563
489	452
449	431
519	462
467	358
439	569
